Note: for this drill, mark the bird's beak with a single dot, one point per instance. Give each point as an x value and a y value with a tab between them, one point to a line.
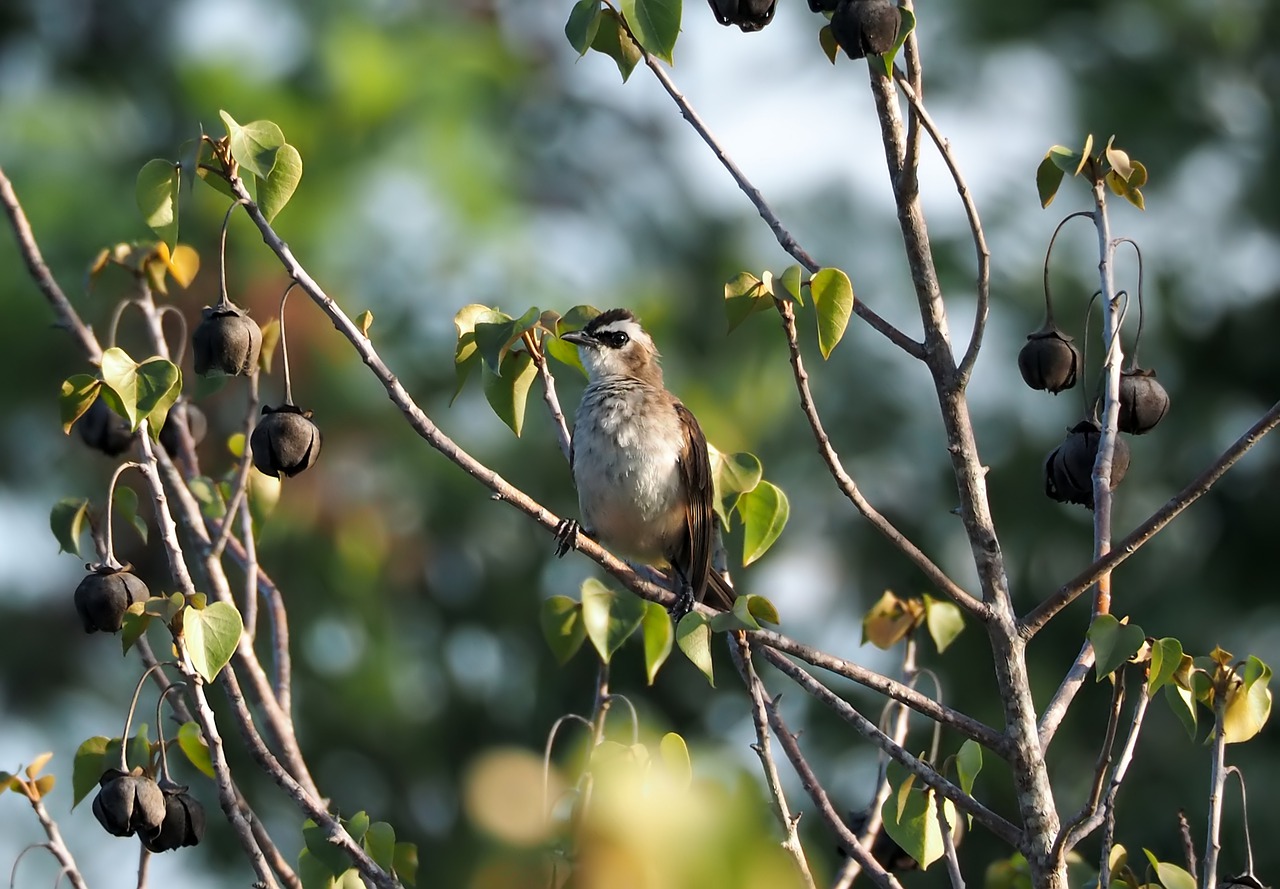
578	338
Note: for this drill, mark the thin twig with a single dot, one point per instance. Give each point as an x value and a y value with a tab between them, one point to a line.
740	650
67	317
549	393
849	487
1056	710
56	845
826	810
922	770
241	489
1217	780
144	861
982	309
949	849
1034	621
1188	845
1070	831
966	725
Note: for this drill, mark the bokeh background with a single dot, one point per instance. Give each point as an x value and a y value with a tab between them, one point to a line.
457	152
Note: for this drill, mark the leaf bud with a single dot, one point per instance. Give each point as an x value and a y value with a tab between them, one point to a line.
226	343
1049	360
105	595
1143	401
285	441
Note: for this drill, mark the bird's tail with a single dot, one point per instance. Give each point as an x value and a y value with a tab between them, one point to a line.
720	593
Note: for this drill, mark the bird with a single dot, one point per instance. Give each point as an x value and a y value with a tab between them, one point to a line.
640	463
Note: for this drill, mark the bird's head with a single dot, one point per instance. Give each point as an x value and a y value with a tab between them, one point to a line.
613	344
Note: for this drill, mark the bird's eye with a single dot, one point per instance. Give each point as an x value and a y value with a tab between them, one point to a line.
615	338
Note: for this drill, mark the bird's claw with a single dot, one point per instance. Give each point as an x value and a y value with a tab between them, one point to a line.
684	599
566	536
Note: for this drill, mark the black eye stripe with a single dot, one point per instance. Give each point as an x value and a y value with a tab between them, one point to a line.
614	338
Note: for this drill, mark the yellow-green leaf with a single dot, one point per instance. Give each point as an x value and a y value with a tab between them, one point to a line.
764	511
212	635
675	756
693	635
609	616
508	392
613	40
833	299
659	638
654	23
562	627
279	185
78	394
156	191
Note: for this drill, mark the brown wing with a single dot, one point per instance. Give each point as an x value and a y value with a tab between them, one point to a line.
695	470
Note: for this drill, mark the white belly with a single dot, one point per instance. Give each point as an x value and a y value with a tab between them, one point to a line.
628	479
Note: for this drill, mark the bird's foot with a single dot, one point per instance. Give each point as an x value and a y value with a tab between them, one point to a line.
567	536
684	599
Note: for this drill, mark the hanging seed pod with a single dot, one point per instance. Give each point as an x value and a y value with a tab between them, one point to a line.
183	823
823	5
129	803
105	595
104	430
226	343
1049	361
285	441
1068	470
1143	401
197	426
748	15
865	27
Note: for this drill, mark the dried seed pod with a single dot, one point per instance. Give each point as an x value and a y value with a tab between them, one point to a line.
1068	470
748	15
129	803
285	441
226	343
1143	401
104	430
197	425
183	823
865	27
1049	360
823	5
105	595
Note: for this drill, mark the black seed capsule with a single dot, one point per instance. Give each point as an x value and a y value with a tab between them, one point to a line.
748	15
1068	470
226	343
129	803
183	823
1049	360
285	441
104	430
1143	401
823	5
197	425
105	595
865	27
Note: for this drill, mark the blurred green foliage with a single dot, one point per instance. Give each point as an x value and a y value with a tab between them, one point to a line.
456	154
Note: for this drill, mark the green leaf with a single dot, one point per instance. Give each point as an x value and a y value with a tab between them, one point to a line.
583	23
744	295
562	627
264	493
156	191
120	374
494	337
833	298
613	40
78	395
508	392
406	861
125	503
739	617
655	24
466	355
1179	696
567	353
1113	643
1138	177
357	825
1065	159
764	511
1048	179
762	609
905	27
132	626
1166	656
827	40
659	638
1248	703
609	617
675	756
281	183
944	620
969	764
254	145
191	743
1170	875
380	843
693	635
911	821
888	621
325	853
732	475
212	635
66	520
87	767
792	283
159	383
